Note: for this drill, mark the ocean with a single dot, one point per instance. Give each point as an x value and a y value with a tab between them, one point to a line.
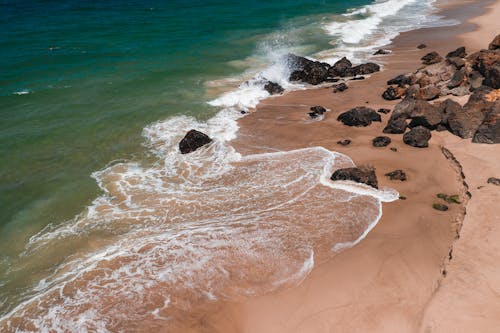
97	204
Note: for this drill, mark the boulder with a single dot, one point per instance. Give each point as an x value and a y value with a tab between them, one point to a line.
420	112
431	58
459	52
459	78
396	125
365	175
393	93
339	87
401	80
428	93
381	141
489	130
495	43
447	108
309	71
193	140
397	175
362	69
417	137
382	51
487	63
421	46
359	116
456	61
273	88
340	67
464	124
384	111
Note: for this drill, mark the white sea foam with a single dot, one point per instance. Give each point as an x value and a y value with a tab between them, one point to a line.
22	92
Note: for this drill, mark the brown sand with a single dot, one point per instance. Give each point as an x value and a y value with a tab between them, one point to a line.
400	278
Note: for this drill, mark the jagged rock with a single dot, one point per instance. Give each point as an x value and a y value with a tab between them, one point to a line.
309	71
480	101
393	93
417	137
382	51
440	207
193	140
493	180
421	46
344	142
401	80
447	108
273	88
495	44
459	52
362	69
489	130
475	80
456	61
365	175
431	58
428	93
381	141
384	111
340	67
457	79
396	125
339	87
359	116
464	124
487	62
420	112
397	175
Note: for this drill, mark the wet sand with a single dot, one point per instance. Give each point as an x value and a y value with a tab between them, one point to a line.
400	278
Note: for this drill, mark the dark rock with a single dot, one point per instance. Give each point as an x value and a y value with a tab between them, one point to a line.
357	78
394	149
359	116
447	108
309	71
392	93
428	93
421	113
384	111
464	124
417	137
475	80
273	88
487	63
440	207
457	79
362	69
493	180
431	58
339	87
365	175
381	141
402	197
193	140
495	44
396	125
397	175
344	142
460	53
316	111
243	112
421	46
382	51
340	67
489	130
401	80
456	61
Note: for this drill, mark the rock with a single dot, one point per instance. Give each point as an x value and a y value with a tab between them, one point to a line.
440	207
316	111
357	78
421	113
309	71
345	142
487	63
381	141
359	116
457	79
393	93
382	51
455	198
475	80
421	46
489	130
401	80
384	111
460	53
193	140
431	58
339	87
396	125
273	88
417	137
362	69
428	93
340	67
394	149
464	124
493	180
397	175
365	175
456	61
447	108
495	44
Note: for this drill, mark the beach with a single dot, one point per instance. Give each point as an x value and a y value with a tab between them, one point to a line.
419	269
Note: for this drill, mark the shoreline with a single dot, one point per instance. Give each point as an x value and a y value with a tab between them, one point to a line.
386	282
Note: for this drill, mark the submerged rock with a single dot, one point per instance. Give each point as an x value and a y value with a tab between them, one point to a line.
431	58
365	175
381	141
359	116
417	137
273	88
397	175
316	111
193	140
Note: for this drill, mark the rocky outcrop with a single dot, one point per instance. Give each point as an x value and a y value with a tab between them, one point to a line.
487	63
431	58
192	141
306	70
365	175
340	67
397	175
381	141
273	88
359	116
417	137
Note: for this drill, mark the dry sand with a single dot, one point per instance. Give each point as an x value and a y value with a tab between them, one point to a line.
400	278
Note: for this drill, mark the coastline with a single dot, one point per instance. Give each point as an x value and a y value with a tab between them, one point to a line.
399	278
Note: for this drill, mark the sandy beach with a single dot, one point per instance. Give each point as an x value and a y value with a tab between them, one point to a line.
419	269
